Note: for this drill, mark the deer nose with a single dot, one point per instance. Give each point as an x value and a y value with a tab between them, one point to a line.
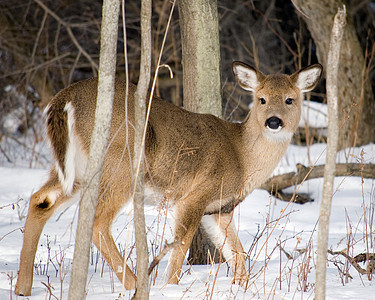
274	123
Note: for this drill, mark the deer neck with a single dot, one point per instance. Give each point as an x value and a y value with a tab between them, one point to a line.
260	154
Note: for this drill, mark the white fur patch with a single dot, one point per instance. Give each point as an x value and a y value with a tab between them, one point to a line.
274	130
217	236
59	171
75	158
68	178
277	135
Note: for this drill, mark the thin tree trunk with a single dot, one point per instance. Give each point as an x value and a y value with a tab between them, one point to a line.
330	166
201	81
99	141
142	291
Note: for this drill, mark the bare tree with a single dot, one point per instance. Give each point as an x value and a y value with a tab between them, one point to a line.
142	291
356	100
99	141
201	81
330	166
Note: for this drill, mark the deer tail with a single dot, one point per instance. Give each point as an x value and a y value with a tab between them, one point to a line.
63	140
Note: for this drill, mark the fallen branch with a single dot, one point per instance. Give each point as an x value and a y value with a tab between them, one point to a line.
276	184
354	261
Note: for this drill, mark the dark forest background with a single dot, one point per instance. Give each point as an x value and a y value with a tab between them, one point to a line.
46	45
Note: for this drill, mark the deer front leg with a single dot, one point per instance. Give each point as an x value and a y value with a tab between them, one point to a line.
42	205
189	215
222	233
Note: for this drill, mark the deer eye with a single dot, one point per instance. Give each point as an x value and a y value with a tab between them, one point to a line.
289	101
262	101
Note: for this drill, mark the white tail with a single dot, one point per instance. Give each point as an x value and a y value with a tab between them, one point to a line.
205	165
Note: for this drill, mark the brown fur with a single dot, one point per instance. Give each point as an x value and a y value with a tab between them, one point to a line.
203	164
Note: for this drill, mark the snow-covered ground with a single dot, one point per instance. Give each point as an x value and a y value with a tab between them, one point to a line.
270	230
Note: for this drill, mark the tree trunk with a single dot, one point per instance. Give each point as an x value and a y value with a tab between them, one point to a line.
330	165
200	56
201	81
202	251
142	290
99	141
356	101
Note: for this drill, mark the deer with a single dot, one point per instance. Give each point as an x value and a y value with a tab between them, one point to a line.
206	166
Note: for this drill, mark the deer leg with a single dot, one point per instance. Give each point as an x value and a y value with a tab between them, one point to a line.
189	215
102	238
223	234
43	204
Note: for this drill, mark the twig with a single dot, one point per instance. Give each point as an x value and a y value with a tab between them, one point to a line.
5	154
49	288
34	68
10	232
94	65
160	256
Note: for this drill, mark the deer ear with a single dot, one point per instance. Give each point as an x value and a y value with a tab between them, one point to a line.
307	78
247	77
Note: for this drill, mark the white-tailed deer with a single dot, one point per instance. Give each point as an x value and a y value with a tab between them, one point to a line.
205	165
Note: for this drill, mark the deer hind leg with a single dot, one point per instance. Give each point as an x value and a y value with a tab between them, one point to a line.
223	234
43	204
189	215
107	210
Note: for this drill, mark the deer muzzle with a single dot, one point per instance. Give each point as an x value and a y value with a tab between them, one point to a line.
274	123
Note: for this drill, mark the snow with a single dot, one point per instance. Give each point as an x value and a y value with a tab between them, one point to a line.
315	114
262	221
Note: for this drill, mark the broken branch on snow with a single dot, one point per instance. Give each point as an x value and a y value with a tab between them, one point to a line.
277	183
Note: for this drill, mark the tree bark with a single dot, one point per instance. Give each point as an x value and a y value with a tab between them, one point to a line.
201	81
356	101
200	56
99	141
332	143
202	251
142	290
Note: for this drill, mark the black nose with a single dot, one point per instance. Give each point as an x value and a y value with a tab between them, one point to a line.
274	123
